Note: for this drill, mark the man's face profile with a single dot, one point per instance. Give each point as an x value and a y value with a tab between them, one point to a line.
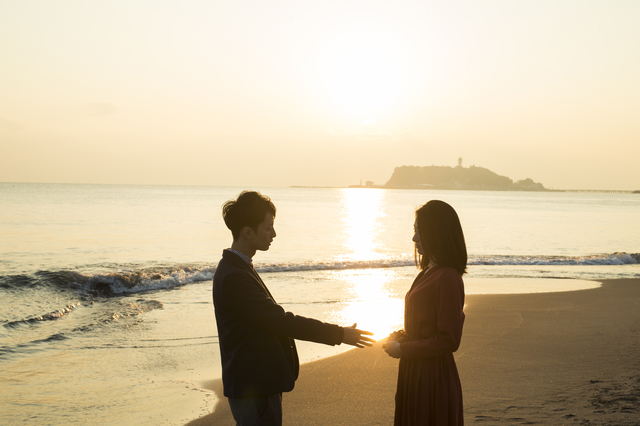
261	239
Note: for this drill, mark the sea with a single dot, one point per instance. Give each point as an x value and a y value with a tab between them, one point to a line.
105	290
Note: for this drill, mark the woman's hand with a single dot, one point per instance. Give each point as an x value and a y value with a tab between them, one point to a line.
397	336
393	349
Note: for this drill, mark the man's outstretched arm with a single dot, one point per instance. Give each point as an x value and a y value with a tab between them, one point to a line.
253	304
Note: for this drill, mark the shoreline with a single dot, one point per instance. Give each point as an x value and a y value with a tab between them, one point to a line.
545	358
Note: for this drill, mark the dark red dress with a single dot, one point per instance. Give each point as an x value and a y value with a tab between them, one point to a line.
429	391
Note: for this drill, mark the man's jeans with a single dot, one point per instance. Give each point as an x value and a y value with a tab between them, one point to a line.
265	410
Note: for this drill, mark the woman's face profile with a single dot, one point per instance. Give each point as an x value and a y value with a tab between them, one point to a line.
416	237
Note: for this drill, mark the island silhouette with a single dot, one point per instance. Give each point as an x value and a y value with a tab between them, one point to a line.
459	177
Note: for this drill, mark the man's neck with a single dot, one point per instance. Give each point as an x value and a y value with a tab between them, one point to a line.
242	248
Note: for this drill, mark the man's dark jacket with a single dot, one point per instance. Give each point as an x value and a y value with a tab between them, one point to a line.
256	335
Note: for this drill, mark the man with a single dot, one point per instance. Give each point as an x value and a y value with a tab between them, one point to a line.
256	335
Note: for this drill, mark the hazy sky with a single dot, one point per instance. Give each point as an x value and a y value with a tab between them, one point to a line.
279	93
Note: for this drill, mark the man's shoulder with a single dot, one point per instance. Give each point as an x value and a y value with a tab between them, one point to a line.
224	278
233	282
230	269
225	267
227	261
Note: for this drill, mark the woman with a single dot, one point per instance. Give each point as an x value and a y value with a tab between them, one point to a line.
429	391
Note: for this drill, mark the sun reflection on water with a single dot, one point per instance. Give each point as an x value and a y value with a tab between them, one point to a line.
372	302
362	209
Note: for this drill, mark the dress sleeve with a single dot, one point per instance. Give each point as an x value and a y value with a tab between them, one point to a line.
450	318
252	304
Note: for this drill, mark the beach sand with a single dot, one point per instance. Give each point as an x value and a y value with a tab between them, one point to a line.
570	358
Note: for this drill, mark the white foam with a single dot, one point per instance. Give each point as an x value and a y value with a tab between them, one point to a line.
128	282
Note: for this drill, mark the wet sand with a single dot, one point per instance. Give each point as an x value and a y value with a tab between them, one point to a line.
570	358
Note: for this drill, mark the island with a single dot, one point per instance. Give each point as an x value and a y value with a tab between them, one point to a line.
459	177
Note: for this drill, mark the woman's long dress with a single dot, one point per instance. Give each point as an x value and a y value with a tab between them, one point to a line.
429	391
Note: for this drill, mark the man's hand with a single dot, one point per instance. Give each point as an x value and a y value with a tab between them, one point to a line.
393	349
355	337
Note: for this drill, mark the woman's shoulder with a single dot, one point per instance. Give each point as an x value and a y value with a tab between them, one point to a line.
438	273
446	270
446	274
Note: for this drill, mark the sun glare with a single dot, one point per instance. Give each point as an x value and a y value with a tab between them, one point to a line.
374	308
362	70
362	208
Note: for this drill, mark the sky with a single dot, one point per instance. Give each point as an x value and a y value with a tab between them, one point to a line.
318	93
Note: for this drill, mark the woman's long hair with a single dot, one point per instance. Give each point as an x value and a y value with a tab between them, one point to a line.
441	237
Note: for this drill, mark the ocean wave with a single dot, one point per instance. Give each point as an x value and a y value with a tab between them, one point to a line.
613	259
49	316
112	312
160	278
334	265
111	283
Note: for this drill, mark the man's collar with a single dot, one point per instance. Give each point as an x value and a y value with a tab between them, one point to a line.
242	256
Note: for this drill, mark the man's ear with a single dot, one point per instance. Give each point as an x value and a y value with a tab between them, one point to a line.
246	233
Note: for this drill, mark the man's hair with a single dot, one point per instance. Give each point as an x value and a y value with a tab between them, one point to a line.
250	209
441	237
